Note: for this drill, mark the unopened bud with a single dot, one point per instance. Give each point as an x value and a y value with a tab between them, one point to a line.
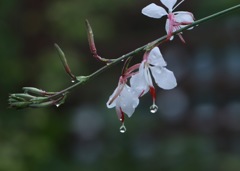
22	96
90	38
64	61
14	97
44	104
92	45
39	99
33	90
19	105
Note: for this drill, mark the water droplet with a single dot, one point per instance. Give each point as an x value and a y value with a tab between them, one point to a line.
153	108
123	129
57	105
73	81
122	60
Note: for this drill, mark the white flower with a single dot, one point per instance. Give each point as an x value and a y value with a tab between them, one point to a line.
152	64
175	21
124	99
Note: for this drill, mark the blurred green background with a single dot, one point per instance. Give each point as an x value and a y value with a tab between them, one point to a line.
197	127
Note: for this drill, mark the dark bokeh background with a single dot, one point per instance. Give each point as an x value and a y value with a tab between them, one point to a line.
197	127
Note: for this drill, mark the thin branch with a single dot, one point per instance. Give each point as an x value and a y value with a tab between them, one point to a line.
150	45
20	101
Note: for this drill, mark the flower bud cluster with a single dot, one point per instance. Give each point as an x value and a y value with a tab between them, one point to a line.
35	98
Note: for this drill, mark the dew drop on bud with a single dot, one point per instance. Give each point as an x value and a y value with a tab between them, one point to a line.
123	129
153	108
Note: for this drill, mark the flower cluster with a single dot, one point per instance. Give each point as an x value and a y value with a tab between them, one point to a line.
125	98
175	21
134	82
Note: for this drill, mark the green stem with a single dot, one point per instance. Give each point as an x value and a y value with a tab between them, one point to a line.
155	42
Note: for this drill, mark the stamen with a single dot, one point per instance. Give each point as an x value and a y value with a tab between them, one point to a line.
178	5
181	38
141	93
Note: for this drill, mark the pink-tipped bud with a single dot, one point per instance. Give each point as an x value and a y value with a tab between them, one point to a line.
91	41
36	91
92	45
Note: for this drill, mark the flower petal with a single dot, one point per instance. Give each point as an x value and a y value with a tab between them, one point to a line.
169	4
167	28
147	76
139	84
113	104
183	17
164	78
155	57
154	11
128	101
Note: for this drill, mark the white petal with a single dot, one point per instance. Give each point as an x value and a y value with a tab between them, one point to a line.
139	84
154	11
169	4
184	17
155	57
148	77
164	78
128	101
113	104
167	27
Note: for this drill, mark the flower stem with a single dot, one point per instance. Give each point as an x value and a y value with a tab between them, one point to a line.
83	79
157	41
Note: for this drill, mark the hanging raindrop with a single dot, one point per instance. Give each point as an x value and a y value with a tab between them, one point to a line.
153	108
57	105
123	129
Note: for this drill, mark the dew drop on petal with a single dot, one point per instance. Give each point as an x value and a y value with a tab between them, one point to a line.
123	129
153	108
